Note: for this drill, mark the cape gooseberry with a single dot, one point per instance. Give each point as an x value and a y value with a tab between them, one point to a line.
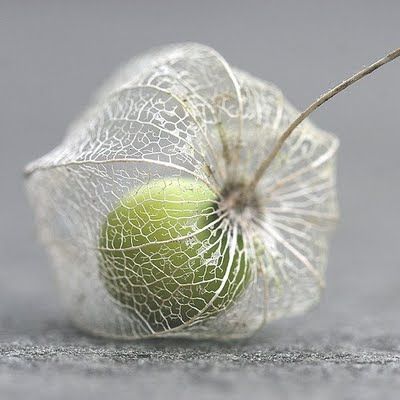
170	255
166	257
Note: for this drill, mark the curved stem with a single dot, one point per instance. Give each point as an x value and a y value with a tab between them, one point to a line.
312	107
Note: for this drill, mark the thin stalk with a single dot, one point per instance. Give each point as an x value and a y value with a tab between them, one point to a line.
312	107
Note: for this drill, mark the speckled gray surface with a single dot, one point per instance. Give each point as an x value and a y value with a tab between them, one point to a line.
54	54
295	358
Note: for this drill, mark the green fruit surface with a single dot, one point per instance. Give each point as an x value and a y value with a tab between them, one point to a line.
156	264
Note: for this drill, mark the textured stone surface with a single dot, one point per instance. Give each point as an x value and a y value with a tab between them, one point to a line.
309	357
53	54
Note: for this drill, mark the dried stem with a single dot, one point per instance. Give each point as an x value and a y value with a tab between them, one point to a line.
321	100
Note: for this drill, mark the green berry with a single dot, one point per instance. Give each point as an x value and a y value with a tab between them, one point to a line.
160	262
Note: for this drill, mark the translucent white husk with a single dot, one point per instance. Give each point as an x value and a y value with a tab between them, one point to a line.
182	111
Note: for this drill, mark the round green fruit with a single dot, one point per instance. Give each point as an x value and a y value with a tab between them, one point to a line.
166	257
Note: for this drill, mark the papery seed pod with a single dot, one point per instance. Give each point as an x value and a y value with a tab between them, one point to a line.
159	211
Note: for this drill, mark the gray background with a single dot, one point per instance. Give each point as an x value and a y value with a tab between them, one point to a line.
54	54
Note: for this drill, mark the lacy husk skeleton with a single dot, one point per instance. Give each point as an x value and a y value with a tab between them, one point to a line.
182	112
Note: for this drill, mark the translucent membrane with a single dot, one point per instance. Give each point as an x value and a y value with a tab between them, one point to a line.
133	204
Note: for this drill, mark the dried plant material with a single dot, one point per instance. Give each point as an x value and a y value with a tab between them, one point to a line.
188	200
